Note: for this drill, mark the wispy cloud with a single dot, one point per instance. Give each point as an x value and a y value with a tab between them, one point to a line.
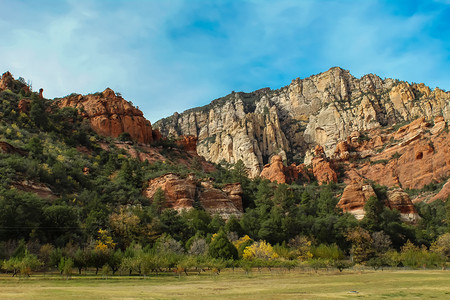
168	56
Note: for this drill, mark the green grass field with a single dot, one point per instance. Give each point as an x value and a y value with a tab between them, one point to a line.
401	284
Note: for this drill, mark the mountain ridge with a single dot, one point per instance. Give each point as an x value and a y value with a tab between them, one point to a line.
322	109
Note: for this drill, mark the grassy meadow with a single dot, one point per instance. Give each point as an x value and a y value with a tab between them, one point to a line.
392	284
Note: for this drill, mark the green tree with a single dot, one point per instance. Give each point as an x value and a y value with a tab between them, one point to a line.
233	225
124	137
373	212
239	172
221	247
159	201
38	113
361	245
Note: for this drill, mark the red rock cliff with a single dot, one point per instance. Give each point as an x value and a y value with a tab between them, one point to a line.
111	115
181	193
276	171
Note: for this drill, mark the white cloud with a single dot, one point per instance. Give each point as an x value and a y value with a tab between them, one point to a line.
168	56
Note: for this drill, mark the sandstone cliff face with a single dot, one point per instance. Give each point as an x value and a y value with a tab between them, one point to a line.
111	115
444	193
399	200
184	193
322	109
188	143
231	130
354	198
415	155
356	195
277	172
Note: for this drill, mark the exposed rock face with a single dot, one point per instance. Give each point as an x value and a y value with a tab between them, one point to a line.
111	115
39	189
10	149
443	194
179	192
322	109
415	155
188	143
354	198
342	151
183	193
234	192
356	195
277	172
216	201
6	81
399	200
24	106
322	168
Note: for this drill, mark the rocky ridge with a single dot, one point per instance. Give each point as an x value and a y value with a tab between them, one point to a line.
110	115
319	110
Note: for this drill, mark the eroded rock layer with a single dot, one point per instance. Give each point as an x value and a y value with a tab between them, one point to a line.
276	171
319	110
415	155
356	195
111	115
184	193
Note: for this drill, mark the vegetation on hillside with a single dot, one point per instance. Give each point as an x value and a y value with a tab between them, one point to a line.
95	215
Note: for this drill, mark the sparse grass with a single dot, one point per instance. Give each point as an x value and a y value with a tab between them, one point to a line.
277	284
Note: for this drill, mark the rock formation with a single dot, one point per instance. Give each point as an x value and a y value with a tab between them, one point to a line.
10	149
356	195
354	198
322	168
6	81
444	193
277	172
415	155
319	110
399	200
183	193
188	143
24	106
36	188
111	115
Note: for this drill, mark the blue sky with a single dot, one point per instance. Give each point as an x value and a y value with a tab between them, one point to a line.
171	55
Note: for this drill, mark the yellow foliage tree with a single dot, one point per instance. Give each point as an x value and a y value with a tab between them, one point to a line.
126	225
104	242
301	247
242	240
260	250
